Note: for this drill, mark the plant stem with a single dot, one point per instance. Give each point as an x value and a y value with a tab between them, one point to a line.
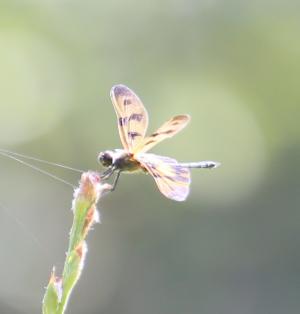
86	196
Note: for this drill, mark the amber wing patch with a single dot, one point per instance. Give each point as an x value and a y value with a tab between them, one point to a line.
132	116
172	179
167	130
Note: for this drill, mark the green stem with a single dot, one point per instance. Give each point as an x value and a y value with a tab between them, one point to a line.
86	196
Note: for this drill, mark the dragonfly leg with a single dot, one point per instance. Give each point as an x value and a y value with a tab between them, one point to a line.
116	180
107	173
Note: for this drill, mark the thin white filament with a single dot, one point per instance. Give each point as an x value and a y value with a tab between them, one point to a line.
37	169
8	152
26	230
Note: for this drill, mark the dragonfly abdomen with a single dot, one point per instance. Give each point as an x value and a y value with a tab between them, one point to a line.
201	164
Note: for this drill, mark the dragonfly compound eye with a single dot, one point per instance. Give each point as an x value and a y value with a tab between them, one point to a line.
105	159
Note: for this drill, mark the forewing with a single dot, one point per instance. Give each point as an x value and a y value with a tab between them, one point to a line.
167	130
132	116
172	179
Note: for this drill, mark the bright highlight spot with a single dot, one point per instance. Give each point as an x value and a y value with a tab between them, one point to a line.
34	86
222	129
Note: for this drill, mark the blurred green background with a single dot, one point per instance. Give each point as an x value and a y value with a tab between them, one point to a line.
234	66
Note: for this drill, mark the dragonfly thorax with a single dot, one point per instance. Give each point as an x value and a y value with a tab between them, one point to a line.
119	159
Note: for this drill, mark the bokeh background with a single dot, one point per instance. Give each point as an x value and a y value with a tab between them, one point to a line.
234	66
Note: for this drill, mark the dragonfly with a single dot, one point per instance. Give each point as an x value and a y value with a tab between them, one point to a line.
173	178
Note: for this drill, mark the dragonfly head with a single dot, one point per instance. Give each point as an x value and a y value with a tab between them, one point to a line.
105	158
